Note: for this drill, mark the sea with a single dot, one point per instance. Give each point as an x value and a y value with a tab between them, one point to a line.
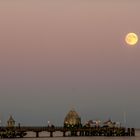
58	136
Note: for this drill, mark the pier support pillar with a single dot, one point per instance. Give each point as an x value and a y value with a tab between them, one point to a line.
21	136
72	133
132	132
51	133
37	134
75	133
64	133
80	134
86	133
128	131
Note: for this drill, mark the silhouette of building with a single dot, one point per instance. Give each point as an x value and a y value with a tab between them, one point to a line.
72	119
11	122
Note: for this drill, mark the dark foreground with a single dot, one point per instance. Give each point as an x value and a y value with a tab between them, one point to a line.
19	132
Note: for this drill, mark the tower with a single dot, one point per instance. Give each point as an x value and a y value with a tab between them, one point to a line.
11	122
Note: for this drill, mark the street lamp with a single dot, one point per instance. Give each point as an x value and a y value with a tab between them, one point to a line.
49	123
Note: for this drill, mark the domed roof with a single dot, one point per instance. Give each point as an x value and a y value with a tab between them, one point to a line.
72	118
11	119
11	122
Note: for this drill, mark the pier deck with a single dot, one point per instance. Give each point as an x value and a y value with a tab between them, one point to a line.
83	131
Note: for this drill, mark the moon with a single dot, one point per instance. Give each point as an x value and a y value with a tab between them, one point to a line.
131	39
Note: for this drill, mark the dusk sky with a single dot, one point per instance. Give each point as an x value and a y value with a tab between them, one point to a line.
61	54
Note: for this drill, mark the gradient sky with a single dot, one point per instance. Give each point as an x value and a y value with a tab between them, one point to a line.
61	54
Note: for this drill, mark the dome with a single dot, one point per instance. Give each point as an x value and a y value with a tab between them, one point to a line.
72	119
11	119
11	122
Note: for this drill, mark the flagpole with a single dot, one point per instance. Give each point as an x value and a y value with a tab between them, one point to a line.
124	117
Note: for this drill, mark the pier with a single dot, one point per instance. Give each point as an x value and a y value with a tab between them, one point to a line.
83	131
72	127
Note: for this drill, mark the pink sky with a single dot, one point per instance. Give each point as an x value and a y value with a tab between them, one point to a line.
61	54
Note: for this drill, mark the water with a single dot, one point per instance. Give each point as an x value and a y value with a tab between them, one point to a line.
58	136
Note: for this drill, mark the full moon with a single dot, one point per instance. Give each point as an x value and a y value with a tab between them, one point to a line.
131	39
